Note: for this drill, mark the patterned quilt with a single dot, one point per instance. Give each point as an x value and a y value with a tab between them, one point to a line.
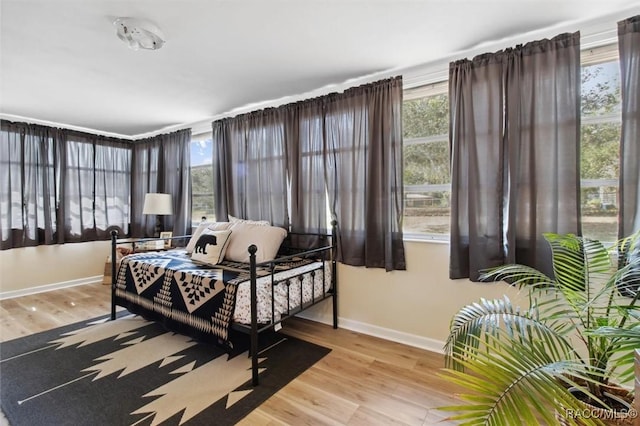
187	297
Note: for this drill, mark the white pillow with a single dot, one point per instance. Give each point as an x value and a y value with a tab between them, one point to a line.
267	238
212	226
234	220
211	246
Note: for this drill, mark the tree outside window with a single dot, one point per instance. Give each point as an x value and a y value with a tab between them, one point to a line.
600	149
202	202
427	181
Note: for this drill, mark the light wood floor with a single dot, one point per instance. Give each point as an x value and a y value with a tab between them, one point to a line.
363	381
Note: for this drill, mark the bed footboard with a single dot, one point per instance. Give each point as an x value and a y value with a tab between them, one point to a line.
328	253
114	239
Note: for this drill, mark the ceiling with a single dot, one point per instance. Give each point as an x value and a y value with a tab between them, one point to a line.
61	62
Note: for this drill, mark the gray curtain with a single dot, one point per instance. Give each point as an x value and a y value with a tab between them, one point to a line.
629	47
162	164
78	183
476	97
176	179
250	159
342	149
363	146
514	139
112	188
223	192
29	167
304	135
61	185
94	186
145	164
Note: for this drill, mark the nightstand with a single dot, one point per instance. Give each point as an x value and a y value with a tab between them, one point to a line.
138	245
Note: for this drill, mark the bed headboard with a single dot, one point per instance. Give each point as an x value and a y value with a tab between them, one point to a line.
297	242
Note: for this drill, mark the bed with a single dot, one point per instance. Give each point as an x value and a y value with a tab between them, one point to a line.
244	279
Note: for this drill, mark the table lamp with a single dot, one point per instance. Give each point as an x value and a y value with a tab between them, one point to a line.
160	205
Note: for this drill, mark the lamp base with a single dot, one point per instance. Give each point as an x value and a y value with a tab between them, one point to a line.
158	228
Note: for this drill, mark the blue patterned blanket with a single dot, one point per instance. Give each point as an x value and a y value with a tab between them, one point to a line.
187	297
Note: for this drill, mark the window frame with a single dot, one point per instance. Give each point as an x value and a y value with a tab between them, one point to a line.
201	137
423	91
589	57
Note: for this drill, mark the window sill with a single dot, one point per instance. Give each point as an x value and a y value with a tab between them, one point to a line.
426	238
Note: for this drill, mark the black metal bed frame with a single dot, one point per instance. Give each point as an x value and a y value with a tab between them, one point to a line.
325	253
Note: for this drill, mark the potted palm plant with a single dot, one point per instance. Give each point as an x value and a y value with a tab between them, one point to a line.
564	358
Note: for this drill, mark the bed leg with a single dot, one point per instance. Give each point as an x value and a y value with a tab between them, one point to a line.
254	315
334	298
334	271
114	237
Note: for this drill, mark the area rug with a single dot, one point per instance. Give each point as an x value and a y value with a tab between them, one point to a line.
133	372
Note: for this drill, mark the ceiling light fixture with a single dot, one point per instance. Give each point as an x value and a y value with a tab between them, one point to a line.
139	33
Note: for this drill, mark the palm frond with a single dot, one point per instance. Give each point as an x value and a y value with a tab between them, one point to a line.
500	319
511	381
577	263
622	342
519	275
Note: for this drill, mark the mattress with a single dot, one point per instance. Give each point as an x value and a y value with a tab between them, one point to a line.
287	292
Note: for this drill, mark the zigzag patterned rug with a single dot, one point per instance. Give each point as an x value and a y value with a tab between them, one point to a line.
132	372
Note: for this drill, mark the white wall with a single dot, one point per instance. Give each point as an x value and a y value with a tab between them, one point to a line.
31	269
412	306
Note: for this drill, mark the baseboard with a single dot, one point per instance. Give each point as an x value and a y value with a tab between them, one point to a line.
49	287
420	342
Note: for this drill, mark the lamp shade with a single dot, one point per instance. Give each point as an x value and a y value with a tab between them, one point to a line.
158	204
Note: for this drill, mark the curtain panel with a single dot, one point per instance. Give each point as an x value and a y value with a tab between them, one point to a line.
61	185
304	136
162	164
145	163
251	159
29	169
364	174
341	150
112	188
629	48
514	140
94	186
476	97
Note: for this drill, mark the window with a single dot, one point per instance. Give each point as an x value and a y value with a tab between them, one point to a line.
426	152
61	186
202	203
427	182
600	143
